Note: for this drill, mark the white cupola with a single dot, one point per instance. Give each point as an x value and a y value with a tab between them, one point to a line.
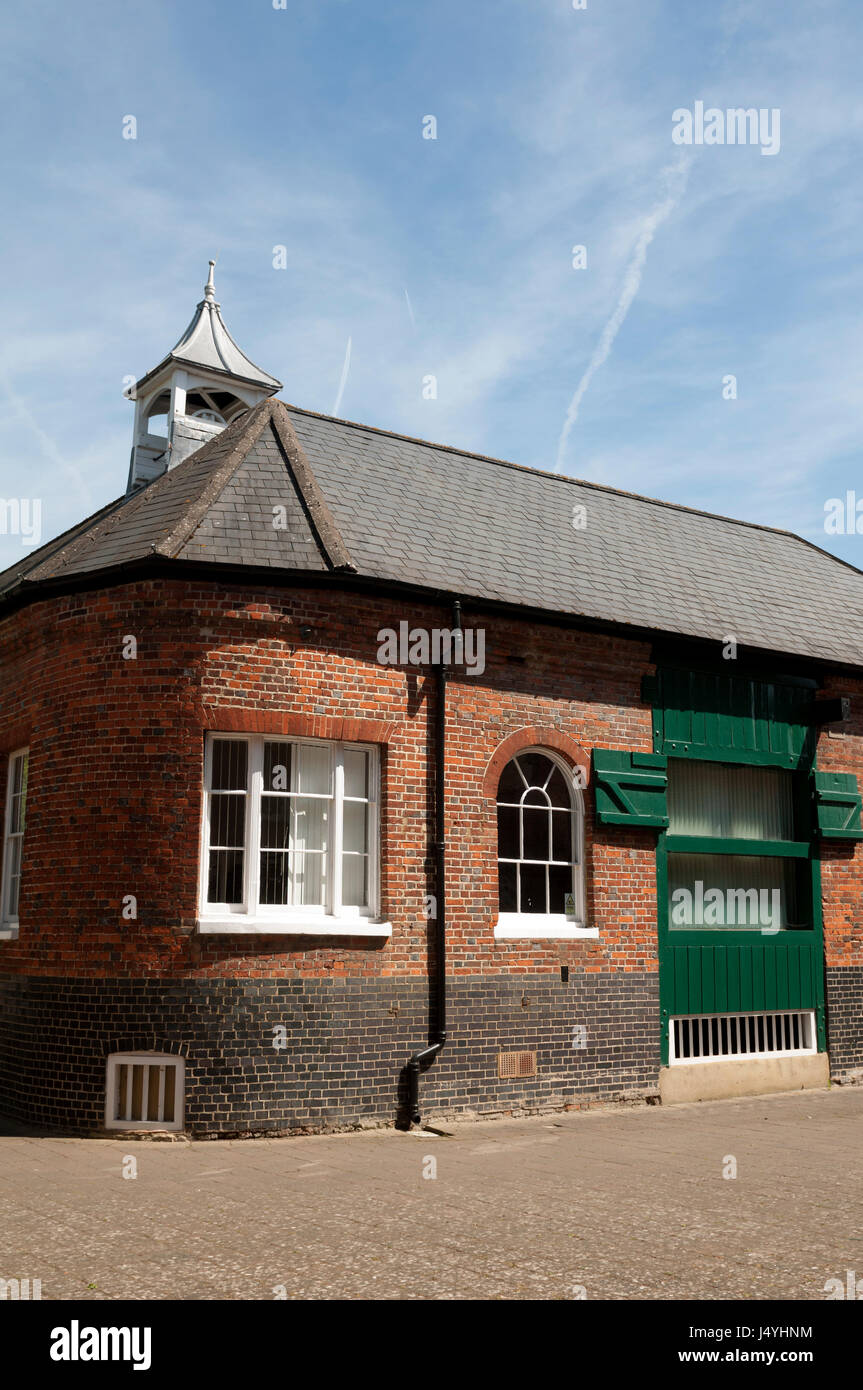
198	389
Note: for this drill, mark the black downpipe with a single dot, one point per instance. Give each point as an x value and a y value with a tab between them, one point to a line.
438	1032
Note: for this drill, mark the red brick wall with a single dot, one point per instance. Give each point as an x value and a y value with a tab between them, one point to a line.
840	749
116	776
116	773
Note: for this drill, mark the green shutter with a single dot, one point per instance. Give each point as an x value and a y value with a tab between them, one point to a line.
720	717
630	787
837	806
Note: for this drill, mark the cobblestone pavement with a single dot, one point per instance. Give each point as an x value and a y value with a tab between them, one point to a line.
626	1203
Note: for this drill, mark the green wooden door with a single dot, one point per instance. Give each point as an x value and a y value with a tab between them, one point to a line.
706	972
715	718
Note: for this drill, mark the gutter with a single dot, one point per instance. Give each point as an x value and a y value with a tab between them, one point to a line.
24	591
437	1024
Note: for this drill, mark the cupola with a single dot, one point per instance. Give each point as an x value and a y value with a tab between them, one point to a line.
200	387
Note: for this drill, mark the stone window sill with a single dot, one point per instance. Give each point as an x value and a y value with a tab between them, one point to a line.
527	926
297	926
8	931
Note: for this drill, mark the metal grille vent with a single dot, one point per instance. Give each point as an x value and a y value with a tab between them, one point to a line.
516	1064
714	1037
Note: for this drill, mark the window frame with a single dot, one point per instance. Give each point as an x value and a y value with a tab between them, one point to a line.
799	848
9	923
332	918
526	926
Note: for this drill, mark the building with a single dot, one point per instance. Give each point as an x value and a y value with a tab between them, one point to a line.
349	777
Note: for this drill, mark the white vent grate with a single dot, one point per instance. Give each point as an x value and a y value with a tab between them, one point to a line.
144	1091
717	1037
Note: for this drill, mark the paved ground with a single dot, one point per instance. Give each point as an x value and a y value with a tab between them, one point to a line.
626	1203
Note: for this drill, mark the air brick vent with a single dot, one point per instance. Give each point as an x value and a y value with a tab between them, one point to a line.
516	1064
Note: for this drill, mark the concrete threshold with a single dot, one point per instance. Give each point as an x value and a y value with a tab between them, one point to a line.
727	1078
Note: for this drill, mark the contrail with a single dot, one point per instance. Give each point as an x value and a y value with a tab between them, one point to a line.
345	369
410	309
675	177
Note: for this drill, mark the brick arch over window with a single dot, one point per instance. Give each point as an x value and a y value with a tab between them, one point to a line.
234	719
534	737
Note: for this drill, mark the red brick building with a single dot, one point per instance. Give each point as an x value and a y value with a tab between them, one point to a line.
324	749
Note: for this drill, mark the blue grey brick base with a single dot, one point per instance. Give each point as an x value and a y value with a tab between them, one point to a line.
347	1045
845	1019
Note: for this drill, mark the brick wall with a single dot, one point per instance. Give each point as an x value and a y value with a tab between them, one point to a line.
116	746
840	749
114	809
347	1043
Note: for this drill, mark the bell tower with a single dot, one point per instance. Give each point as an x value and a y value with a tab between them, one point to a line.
200	387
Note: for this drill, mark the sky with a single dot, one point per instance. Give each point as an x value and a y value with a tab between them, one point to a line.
259	127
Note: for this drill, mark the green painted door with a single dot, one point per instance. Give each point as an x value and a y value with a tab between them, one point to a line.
739	854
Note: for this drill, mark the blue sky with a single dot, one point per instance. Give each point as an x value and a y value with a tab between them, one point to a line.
302	127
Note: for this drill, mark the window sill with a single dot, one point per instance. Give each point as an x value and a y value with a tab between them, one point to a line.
299	926
525	926
9	932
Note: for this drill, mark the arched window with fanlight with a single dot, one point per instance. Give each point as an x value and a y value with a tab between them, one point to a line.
540	839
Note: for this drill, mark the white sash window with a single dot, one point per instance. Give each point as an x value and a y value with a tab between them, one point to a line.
13	839
290	836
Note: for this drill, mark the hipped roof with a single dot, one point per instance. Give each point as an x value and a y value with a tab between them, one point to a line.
355	501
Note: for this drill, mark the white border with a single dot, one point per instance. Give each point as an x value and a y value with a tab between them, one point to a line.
525	926
293	926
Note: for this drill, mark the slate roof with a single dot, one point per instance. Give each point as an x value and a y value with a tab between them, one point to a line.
350	499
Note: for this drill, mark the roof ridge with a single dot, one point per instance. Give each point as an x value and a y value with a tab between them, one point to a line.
128	505
329	536
250	426
249	429
565	478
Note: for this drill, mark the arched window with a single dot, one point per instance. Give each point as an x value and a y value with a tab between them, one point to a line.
540	848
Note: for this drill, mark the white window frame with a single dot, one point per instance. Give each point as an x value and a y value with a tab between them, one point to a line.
145	1059
330	919
537	926
9	921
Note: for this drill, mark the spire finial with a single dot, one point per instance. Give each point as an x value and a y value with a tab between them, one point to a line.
210	288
